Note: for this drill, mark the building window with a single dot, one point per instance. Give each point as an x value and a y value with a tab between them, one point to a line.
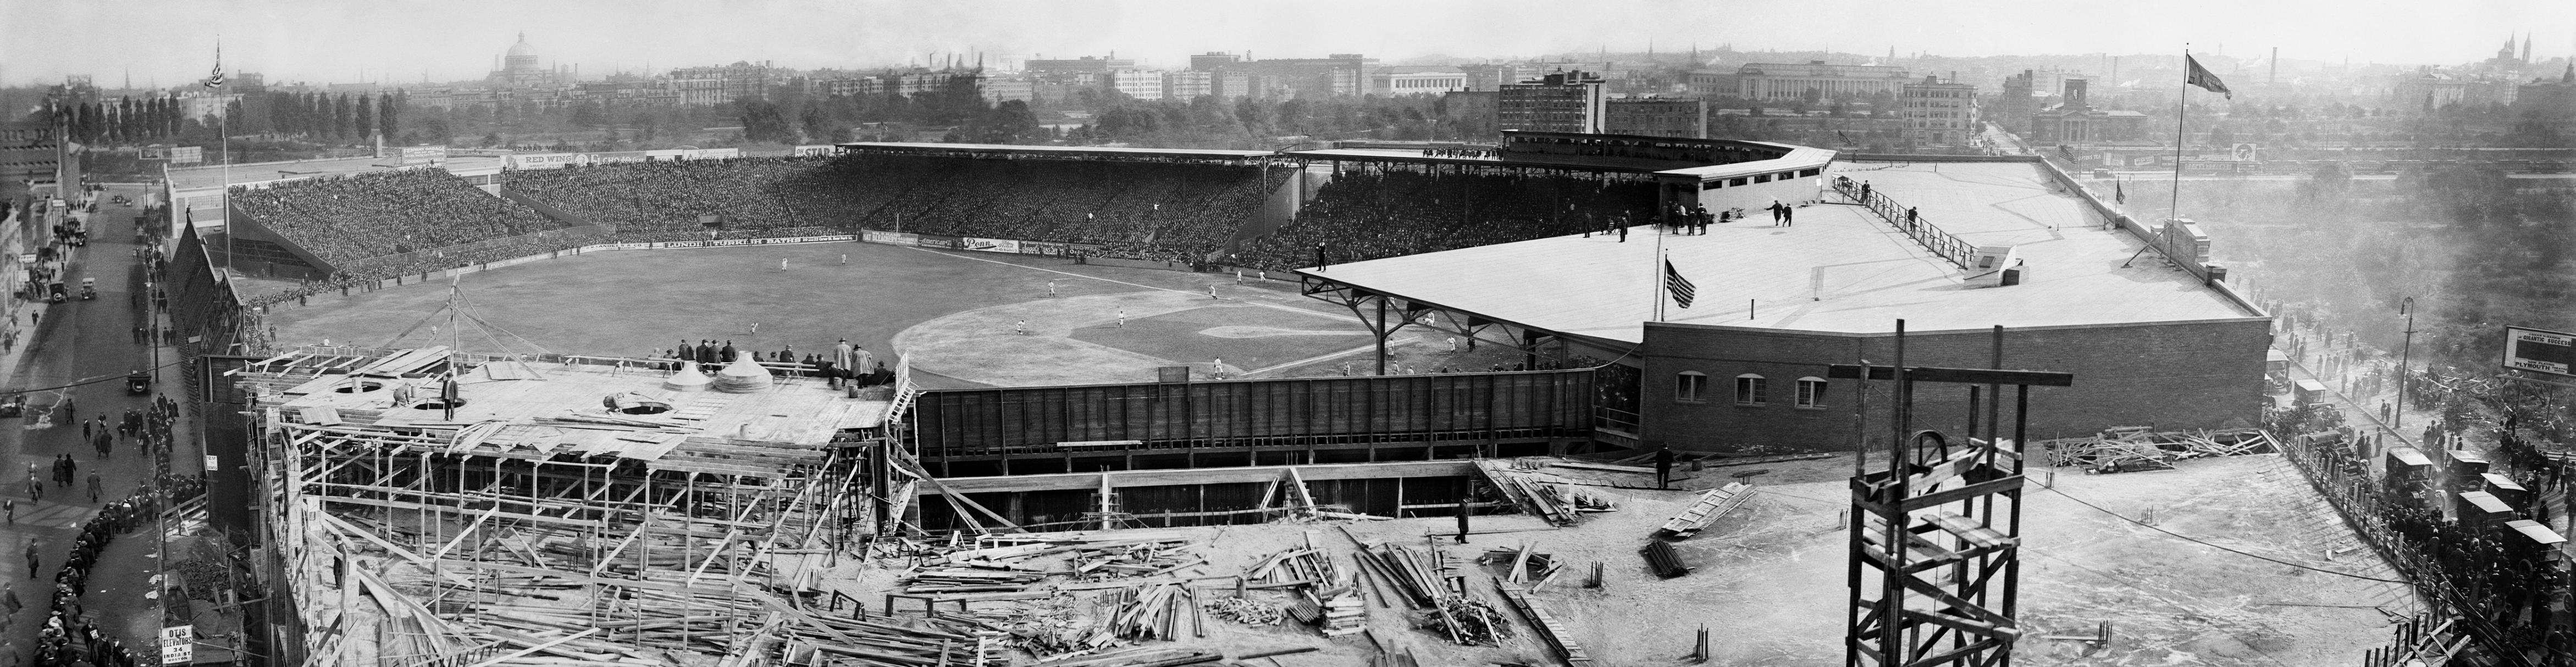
1811	392
1752	389
1691	387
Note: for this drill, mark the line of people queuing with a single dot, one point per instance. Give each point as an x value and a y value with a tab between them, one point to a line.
70	636
842	364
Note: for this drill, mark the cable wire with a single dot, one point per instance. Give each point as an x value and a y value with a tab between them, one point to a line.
2195	540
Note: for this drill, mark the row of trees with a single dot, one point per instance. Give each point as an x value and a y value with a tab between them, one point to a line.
123	121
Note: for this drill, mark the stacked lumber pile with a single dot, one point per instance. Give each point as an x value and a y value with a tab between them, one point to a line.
1344	613
1415	574
1663	560
1548	627
814	639
1704	511
1305	566
1530	495
2131	449
1151	657
1136	558
1525	565
920	580
1246	611
1468	621
1152	612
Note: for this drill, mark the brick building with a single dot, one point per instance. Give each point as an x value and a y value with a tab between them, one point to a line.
1791	81
1657	117
1938	113
1562	102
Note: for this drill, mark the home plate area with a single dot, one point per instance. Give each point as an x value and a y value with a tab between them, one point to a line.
1079	340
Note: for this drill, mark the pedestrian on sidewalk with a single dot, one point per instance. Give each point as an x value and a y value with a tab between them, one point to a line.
10	505
32	561
94	486
35	486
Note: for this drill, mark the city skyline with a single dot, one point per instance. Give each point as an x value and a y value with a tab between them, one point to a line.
332	43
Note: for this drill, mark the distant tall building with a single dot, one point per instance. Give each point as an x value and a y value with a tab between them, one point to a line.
1562	102
519	68
1416	80
2014	110
1139	84
1786	81
1656	117
1938	113
2549	100
1213	61
2075	121
1085	64
718	84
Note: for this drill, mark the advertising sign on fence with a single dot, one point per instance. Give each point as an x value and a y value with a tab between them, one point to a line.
540	160
1042	248
990	245
187	154
812	151
895	238
931	241
423	154
711	153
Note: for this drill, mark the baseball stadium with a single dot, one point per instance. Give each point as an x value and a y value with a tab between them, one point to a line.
1350	403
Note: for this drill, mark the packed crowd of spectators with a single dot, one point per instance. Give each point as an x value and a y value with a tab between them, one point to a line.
1372	215
1141	210
659	197
353	218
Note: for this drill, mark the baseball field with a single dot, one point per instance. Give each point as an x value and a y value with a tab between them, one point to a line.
965	319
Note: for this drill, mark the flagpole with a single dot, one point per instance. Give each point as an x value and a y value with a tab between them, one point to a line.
1658	272
2179	111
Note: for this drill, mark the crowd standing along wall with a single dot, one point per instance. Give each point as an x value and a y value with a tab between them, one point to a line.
2166	375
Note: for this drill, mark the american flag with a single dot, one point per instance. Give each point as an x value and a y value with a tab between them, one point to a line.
1680	286
216	79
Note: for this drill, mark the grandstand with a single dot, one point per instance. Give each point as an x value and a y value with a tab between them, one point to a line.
371	222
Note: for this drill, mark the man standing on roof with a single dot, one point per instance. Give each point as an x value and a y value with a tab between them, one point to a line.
861	360
726	354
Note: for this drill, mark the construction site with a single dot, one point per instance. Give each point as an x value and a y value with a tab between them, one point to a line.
445	508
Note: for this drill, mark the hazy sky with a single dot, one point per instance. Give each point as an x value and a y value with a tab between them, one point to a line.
170	41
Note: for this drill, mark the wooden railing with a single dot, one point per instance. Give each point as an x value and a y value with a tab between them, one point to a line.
1943	244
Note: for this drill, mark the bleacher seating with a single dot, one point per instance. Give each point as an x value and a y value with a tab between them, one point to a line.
1372	215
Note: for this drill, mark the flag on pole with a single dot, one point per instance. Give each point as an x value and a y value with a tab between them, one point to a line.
2200	76
216	79
1681	287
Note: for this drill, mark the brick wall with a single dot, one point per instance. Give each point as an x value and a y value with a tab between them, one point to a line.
2169	375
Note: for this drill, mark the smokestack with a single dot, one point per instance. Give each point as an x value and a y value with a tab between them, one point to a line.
2276	65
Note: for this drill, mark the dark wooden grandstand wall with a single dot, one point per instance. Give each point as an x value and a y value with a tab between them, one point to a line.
259	251
204	311
1285	412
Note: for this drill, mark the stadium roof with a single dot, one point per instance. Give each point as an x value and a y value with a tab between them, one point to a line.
1119	151
1837	270
208	176
1540	161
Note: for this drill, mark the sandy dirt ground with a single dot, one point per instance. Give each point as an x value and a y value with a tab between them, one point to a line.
1770	577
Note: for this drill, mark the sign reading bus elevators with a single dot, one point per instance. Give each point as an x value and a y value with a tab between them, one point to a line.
2542	351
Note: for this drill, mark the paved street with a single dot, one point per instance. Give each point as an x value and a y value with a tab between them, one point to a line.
90	345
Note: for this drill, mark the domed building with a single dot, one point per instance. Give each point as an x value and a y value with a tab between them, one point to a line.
520	67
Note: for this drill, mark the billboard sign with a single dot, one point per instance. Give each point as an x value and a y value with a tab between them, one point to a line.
2243	152
895	238
1042	248
934	241
423	154
2540	351
991	245
812	151
187	154
533	161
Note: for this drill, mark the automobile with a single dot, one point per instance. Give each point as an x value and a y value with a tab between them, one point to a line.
55	293
89	288
138	383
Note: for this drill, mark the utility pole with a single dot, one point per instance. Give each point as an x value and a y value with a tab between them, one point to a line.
2405	354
